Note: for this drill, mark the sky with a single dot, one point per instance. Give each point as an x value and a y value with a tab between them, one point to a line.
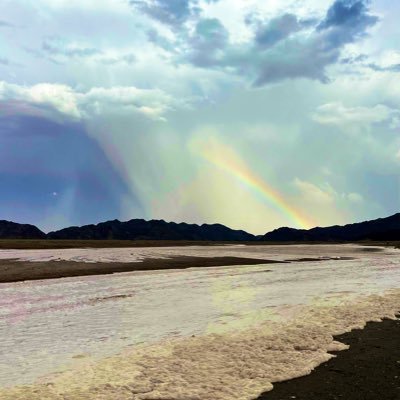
251	113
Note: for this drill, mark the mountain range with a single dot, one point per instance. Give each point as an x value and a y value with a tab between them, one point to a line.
378	229
139	229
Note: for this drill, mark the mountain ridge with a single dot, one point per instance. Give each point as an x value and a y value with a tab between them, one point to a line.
140	229
14	230
386	228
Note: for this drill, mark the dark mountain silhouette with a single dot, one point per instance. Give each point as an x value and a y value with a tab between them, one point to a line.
378	229
139	229
12	230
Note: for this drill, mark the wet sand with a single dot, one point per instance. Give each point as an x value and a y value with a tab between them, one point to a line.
15	271
369	370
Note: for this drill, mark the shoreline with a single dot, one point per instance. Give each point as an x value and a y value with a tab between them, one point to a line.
368	370
42	244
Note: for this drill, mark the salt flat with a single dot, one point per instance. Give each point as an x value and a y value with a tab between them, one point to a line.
221	333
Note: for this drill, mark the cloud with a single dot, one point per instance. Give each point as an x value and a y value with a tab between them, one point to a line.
208	43
354	59
9	63
127	58
284	47
387	61
56	47
310	54
5	24
328	204
151	103
59	50
387	68
277	29
352	14
355	198
60	97
170	12
314	193
337	114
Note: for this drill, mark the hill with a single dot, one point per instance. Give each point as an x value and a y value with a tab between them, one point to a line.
12	230
379	229
139	229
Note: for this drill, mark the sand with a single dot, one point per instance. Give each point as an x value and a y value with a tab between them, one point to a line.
33	264
369	370
15	271
276	325
218	367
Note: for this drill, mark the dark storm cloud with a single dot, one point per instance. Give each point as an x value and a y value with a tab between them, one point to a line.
345	22
350	13
41	159
283	47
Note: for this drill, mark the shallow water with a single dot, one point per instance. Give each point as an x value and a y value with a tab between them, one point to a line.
52	325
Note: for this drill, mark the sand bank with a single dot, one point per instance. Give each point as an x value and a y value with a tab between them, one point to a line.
15	271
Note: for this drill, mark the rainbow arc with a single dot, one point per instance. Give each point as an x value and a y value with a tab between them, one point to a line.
226	159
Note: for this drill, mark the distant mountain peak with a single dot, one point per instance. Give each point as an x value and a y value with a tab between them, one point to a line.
387	228
13	230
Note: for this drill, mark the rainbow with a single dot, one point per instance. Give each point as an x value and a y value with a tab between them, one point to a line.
226	159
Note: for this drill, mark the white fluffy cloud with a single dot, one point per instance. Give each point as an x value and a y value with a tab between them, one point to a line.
362	117
324	194
327	204
152	103
314	193
60	97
